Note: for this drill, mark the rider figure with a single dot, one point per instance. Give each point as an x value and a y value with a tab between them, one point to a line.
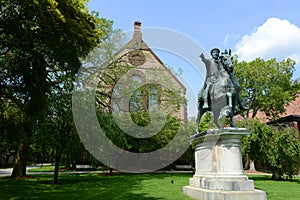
235	83
213	64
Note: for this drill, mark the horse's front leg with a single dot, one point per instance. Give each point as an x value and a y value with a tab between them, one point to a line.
229	95
231	107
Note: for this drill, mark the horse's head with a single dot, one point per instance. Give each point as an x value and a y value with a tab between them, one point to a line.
227	61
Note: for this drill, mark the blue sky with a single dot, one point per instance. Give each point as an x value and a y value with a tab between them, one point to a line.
251	28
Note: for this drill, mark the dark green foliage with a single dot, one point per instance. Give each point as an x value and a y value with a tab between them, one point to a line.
267	86
133	144
276	147
41	44
206	122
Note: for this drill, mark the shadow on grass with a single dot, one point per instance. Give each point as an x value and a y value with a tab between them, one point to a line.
268	178
95	186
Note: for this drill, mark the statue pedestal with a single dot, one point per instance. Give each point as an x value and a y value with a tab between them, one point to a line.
219	169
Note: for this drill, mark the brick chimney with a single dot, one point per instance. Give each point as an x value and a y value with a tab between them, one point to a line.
137	35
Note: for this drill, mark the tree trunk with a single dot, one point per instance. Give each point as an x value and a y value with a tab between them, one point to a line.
19	169
276	175
247	164
57	161
252	166
73	166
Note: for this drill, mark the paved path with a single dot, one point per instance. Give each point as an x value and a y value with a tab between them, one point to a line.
5	172
8	171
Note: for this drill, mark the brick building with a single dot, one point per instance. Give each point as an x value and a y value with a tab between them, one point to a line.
147	68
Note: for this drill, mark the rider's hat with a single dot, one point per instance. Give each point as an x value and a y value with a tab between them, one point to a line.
214	50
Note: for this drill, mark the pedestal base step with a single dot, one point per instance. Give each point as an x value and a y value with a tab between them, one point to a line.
205	194
217	183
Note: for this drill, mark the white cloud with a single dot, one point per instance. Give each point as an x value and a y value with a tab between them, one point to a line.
226	40
230	40
276	38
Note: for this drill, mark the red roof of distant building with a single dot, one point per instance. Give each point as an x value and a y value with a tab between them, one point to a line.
292	109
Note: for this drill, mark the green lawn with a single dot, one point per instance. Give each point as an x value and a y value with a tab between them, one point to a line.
125	186
50	168
46	168
278	190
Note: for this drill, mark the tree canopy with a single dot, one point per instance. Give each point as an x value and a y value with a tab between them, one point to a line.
267	86
41	42
277	148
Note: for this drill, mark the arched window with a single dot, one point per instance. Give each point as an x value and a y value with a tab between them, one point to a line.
153	99
135	103
145	97
136	78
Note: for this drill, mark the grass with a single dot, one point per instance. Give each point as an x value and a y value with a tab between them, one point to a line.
277	190
50	168
125	186
46	168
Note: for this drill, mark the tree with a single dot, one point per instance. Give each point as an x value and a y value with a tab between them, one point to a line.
139	109
9	125
103	71
206	122
39	39
266	86
278	148
61	128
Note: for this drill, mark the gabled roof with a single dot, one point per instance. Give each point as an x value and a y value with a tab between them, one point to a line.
292	111
137	43
289	118
294	107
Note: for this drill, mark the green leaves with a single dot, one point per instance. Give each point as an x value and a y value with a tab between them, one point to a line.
277	148
41	46
267	85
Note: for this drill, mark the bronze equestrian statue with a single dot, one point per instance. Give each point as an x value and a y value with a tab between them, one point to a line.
220	94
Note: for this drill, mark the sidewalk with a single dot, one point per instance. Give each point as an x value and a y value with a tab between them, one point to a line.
8	171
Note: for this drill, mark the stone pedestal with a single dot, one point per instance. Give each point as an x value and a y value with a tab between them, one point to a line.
219	170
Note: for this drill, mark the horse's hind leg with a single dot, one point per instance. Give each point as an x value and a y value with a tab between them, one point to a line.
216	117
231	122
198	120
199	115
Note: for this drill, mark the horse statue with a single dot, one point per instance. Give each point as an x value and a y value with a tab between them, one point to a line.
218	89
